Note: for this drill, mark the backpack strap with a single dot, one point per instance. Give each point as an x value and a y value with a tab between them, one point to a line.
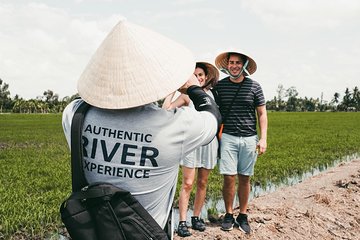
77	173
232	101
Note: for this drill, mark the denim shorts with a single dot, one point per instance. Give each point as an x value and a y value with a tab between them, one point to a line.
238	155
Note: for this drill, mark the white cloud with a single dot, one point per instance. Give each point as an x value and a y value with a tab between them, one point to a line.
46	48
100	1
305	13
309	44
187	2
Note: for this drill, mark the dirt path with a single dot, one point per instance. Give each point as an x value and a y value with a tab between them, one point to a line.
325	206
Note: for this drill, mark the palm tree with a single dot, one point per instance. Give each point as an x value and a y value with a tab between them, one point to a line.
335	101
4	94
19	105
347	99
280	96
336	98
309	104
292	94
31	105
356	98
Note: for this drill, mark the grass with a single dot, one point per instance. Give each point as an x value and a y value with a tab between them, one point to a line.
34	175
35	163
299	142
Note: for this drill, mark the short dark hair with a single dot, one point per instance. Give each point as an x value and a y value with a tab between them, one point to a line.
242	57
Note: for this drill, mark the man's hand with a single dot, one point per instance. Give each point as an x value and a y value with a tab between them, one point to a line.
190	82
261	147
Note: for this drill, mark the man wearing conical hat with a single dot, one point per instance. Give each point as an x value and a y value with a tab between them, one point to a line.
128	140
242	104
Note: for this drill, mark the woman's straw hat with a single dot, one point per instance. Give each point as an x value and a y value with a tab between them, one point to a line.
221	62
134	66
212	75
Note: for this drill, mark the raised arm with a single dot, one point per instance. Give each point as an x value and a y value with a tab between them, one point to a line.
182	100
201	100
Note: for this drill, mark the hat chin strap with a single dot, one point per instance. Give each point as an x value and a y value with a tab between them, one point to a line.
242	70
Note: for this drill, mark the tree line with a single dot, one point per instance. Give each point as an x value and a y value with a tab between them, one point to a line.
285	100
289	100
49	102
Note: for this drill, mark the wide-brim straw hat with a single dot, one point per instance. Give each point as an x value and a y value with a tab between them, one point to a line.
134	66
212	75
221	62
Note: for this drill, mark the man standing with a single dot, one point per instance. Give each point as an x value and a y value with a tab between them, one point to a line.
241	101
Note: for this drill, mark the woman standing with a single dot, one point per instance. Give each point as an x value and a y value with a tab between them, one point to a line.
203	159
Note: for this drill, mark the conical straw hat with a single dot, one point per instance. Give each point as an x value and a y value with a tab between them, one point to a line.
221	62
134	66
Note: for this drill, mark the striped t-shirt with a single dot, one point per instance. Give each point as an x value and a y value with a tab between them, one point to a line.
241	119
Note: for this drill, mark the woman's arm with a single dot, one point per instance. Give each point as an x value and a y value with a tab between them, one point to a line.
182	100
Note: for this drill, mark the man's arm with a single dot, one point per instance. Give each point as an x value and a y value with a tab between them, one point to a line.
263	124
204	102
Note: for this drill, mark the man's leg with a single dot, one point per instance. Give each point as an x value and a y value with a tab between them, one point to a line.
228	195
229	192
228	168
243	192
247	162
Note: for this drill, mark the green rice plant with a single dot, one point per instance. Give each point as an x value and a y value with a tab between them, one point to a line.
34	175
300	142
35	163
297	144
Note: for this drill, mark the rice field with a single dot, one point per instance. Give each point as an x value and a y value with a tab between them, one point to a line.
35	163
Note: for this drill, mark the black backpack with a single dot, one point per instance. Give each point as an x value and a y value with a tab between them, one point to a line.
102	211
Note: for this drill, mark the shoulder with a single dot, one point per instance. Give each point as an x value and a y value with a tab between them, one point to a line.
252	85
73	106
252	82
223	81
68	115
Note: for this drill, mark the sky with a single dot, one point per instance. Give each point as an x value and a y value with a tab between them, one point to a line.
312	45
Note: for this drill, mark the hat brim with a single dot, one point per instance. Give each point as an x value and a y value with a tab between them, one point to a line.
134	66
221	62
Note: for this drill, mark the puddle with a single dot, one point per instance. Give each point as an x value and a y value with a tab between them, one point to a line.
58	236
